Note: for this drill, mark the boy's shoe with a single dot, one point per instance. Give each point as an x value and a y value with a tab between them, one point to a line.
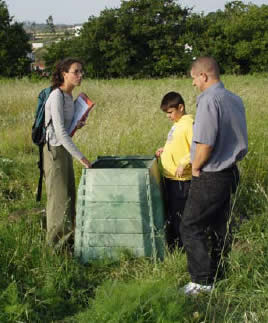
194	289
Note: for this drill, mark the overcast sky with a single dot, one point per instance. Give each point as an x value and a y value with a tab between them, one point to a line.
78	11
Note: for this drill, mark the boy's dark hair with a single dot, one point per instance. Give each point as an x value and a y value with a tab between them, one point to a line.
62	66
171	100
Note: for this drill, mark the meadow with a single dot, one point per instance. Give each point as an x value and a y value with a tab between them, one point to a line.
38	284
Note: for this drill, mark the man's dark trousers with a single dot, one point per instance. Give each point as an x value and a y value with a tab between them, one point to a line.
205	227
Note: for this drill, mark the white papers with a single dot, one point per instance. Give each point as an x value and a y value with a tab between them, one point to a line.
82	105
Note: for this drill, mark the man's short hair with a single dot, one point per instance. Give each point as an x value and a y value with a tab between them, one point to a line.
208	65
171	100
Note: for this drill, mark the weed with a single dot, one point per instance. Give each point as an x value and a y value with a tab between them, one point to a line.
40	285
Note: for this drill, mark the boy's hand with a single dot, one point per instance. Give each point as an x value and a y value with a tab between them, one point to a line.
159	152
179	171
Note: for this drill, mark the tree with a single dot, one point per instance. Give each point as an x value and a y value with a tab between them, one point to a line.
237	37
14	46
148	38
4	15
247	33
141	39
33	27
58	51
50	24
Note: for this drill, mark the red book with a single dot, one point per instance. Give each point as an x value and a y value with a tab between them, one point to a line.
82	106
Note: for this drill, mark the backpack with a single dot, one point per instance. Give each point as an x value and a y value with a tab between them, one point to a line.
39	133
38	128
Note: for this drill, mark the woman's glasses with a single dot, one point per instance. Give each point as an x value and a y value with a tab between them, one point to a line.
77	72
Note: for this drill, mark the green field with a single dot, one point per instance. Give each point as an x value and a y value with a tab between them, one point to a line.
40	285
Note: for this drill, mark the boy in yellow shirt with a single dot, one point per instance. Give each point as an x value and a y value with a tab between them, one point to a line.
176	166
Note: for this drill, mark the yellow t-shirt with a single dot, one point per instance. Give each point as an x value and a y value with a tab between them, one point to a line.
177	149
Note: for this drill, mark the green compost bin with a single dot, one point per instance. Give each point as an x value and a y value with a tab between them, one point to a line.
120	206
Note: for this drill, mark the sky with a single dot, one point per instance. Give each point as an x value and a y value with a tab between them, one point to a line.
77	11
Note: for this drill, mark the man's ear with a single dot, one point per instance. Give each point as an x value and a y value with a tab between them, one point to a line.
205	76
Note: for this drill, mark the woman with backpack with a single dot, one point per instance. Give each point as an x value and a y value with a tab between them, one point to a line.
60	150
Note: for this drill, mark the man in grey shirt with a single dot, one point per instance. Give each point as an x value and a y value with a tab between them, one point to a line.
219	142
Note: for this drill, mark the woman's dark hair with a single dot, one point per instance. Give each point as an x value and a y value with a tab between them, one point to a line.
62	66
171	100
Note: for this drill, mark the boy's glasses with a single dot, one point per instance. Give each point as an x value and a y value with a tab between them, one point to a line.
77	72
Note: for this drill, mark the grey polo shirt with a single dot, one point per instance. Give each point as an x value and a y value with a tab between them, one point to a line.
220	122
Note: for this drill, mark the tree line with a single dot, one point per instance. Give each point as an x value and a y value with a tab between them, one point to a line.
14	46
147	38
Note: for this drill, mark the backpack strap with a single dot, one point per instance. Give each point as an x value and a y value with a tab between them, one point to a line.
50	121
62	95
41	168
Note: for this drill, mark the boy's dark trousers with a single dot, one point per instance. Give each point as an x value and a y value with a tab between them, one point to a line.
176	193
205	226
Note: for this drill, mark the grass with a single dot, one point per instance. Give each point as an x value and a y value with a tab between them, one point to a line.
40	285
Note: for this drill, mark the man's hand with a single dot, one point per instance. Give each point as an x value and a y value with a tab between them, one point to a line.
159	152
202	155
196	172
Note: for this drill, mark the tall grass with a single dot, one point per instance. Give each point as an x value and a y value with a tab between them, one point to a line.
38	284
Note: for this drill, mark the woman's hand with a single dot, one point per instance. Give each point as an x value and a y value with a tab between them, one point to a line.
85	162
